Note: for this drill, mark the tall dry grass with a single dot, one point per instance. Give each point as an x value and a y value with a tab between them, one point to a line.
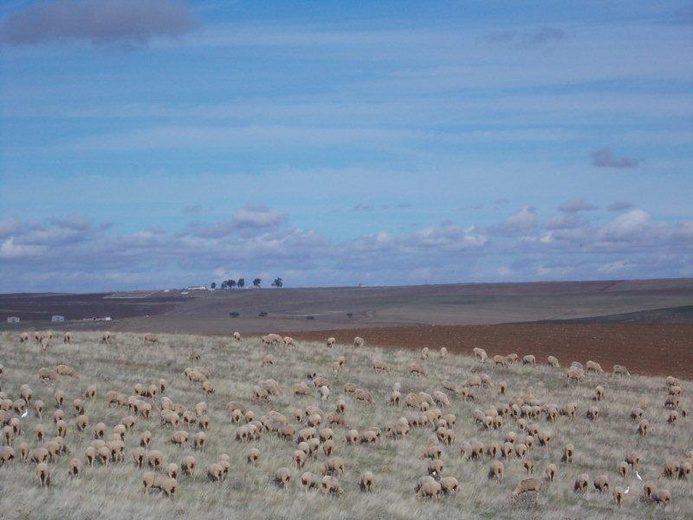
115	490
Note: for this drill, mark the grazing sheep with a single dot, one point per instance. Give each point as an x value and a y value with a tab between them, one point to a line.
601	483
620	370
282	477
82	422
428	487
24	337
43	474
643	427
138	455
663	496
359	341
199	441
529	359
172	470
593	366
366	481
288	341
592	413
686	469
300	458
253	456
310	480
575	374
236	336
636	413
47	375
648	490
480	354
633	460
496	470
435	467
551	472
528	465
618	494
74	467
378	365
188	465
7	454
582	482
623	469
553	361
673	417
333	465
331	342
443	352
527	485
331	485
500	360
151	338
38	408
568	453
599	393
215	473
155	458
107	338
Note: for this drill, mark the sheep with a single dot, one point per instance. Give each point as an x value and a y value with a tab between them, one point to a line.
24	337
544	438
310	480
500	360
366	481
378	365
288	341
215	473
620	370
643	427
47	375
331	342
172	470
282	477
151	338
7	454
300	458
601	483
435	467
199	441
359	341
333	465
550	472
236	336
623	469
188	465
582	482
24	452
663	496
529	359
599	393
527	485
575	374
363	395
107	338
74	467
154	459
496	470
568	453
331	485
266	360
592	413
593	366
82	422
648	490
618	494
253	456
443	352
480	354
428	487
633	460
43	474
38	408
673	417
685	469
553	361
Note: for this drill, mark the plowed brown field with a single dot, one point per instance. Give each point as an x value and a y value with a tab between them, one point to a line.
648	349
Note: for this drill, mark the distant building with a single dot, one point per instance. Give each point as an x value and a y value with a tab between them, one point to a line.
57	318
96	318
13	319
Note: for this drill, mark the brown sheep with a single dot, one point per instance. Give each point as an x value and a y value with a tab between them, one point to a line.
671	469
366	481
282	477
310	480
593	366
530	484
24	452
199	441
333	465
648	490
623	469
618	495
38	408
601	483
620	370
215	472
188	465
82	422
43	474
428	487
331	485
528	465
435	467
155	458
496	470
551	472
663	496
643	427
7	454
300	458
633	460
686	469
74	467
253	456
582	482
151	338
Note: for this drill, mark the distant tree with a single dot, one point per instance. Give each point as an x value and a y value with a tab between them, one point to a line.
224	285
231	283
241	283
257	282
278	282
213	285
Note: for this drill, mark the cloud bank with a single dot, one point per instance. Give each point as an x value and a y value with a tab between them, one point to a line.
100	22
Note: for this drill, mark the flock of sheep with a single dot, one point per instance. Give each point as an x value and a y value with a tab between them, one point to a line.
319	417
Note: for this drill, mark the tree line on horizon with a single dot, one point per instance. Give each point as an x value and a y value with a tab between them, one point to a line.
240	283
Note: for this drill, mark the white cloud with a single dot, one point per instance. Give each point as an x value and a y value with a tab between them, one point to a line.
576	205
257	217
522	223
10	250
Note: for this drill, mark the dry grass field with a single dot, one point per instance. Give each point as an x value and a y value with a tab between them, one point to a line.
238	372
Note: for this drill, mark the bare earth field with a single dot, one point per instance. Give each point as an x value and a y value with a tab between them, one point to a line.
645	324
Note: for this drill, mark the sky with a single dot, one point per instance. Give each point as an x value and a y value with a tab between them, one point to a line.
167	143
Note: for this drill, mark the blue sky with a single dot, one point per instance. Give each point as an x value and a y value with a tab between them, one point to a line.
166	143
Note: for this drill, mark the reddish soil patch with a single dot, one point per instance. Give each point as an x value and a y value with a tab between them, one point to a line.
648	349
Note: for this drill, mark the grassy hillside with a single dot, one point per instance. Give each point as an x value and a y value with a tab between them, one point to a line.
114	490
